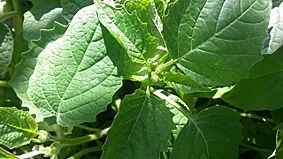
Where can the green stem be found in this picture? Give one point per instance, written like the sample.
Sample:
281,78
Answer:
78,140
18,18
257,117
8,15
258,149
4,84
83,152
88,128
176,105
164,66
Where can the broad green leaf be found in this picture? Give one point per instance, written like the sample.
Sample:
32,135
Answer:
6,48
140,130
216,42
214,133
129,31
276,25
75,77
5,154
17,127
263,90
181,82
42,15
24,69
71,7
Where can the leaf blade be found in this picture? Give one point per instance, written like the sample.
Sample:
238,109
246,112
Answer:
200,35
17,127
141,128
81,74
207,134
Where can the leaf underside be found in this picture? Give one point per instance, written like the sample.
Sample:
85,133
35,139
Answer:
75,76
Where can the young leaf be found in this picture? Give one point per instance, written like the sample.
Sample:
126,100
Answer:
263,90
71,7
42,16
216,42
140,130
6,48
17,127
147,13
212,134
276,25
129,31
75,77
24,69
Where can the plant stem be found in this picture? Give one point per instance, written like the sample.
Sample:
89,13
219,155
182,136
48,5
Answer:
30,155
176,105
4,84
258,149
257,117
80,140
18,18
80,154
164,66
88,128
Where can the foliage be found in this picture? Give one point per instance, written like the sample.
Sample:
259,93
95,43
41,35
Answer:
142,79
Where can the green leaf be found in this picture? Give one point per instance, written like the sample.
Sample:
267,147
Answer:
42,15
263,90
141,128
129,31
24,69
276,34
5,154
216,42
212,134
17,127
75,77
183,83
71,7
276,3
147,13
6,48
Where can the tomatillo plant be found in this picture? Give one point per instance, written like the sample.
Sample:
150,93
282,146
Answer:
141,79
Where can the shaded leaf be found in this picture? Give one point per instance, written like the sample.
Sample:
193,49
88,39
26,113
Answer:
42,15
207,135
216,42
141,128
6,48
16,127
71,7
75,77
263,90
